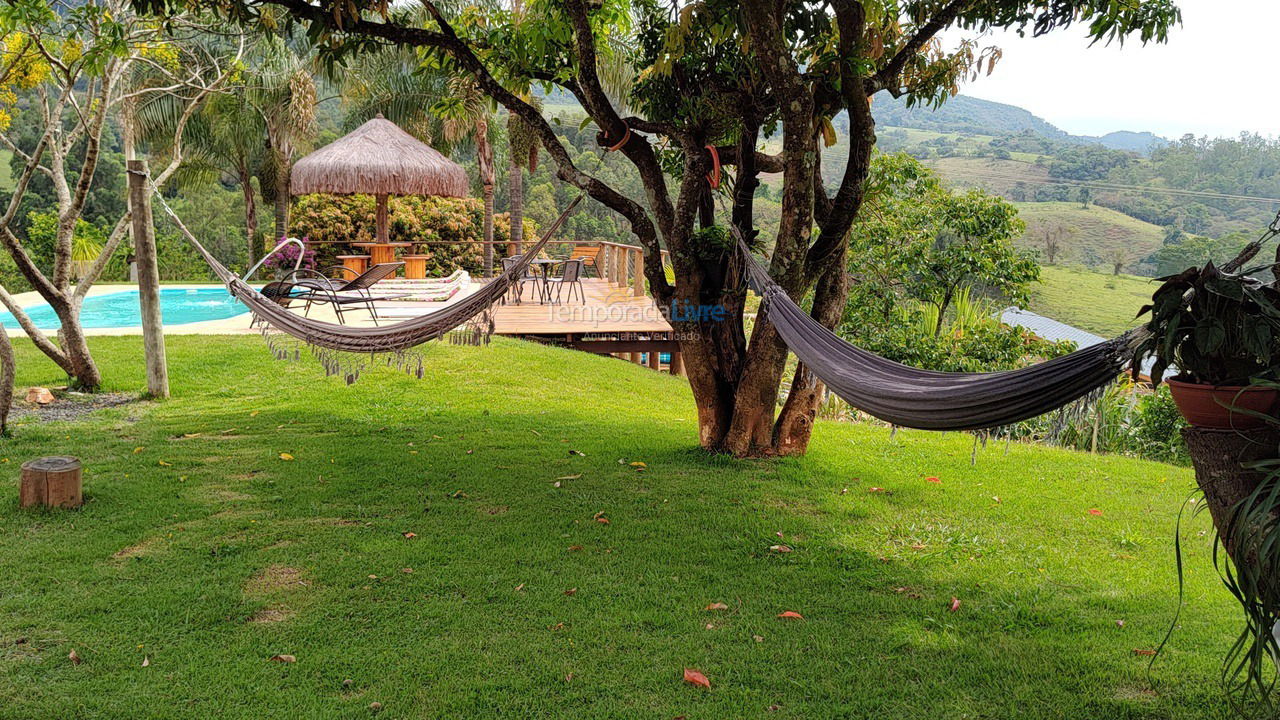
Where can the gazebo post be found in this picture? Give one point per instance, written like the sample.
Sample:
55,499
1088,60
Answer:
384,234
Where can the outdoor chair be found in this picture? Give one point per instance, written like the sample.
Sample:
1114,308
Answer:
517,285
355,292
570,276
590,257
281,292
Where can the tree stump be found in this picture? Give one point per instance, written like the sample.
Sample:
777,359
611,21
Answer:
51,482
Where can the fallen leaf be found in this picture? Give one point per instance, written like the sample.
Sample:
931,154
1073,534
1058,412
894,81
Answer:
520,587
955,604
557,626
406,571
1143,651
575,548
996,498
933,479
138,449
283,658
569,477
717,606
74,657
844,491
710,626
875,489
693,677
410,535
571,592
789,615
568,678
1095,511
286,456
375,706
757,638
780,548
254,413
578,453
555,484
917,546
163,463
639,465
1119,623
146,661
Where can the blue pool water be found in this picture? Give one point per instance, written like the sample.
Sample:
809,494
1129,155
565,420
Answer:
120,310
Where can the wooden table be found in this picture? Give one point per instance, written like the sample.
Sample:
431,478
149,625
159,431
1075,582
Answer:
415,266
382,252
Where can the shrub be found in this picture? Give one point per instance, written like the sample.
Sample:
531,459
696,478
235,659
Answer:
332,222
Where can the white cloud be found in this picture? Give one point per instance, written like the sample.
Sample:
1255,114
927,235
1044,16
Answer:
1216,76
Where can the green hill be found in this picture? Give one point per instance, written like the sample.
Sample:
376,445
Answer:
1101,303
1093,235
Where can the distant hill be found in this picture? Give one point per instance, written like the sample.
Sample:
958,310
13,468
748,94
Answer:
970,115
962,114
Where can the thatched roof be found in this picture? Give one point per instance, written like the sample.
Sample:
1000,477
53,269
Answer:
378,158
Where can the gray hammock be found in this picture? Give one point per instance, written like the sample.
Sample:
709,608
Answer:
928,399
395,338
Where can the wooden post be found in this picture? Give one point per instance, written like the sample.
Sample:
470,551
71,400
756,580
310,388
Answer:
620,266
144,245
381,221
677,364
655,360
602,262
637,284
51,482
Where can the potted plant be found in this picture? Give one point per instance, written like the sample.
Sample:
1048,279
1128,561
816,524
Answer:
1221,332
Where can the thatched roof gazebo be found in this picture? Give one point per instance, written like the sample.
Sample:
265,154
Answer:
379,159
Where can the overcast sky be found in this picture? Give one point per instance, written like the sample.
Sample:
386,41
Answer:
1216,76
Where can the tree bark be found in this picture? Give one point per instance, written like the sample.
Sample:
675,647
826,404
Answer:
282,195
516,181
488,229
250,214
82,370
7,373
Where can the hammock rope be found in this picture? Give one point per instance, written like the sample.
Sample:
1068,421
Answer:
394,338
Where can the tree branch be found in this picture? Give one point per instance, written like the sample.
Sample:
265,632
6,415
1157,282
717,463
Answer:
888,76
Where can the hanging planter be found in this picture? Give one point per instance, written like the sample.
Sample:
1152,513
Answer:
1223,407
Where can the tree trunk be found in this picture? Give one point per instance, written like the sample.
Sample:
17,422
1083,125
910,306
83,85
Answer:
7,373
250,215
488,229
80,367
795,423
516,181
282,195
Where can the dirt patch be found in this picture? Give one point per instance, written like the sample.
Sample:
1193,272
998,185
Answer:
1140,694
496,510
143,548
271,614
69,406
225,495
274,579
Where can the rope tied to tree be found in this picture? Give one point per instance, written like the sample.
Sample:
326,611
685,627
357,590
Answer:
626,137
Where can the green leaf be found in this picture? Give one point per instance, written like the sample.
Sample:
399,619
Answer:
1209,335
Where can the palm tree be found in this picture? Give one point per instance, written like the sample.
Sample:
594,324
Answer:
283,93
524,156
466,114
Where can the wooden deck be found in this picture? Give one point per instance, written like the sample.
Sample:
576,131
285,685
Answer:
609,309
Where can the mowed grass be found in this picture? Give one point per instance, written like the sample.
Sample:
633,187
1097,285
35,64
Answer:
1096,232
1101,303
203,552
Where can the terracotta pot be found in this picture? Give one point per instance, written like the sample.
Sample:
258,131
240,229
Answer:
1212,406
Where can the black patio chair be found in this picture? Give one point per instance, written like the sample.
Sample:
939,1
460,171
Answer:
325,291
528,276
570,276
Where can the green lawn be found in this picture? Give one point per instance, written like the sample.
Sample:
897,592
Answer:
205,553
1101,303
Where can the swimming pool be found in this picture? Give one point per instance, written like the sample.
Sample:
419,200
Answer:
178,306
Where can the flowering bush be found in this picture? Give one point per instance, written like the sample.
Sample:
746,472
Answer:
285,259
334,221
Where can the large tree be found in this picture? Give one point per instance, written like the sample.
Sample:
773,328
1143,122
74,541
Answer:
713,80
68,69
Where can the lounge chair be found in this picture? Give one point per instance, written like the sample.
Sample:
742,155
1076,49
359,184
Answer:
323,290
